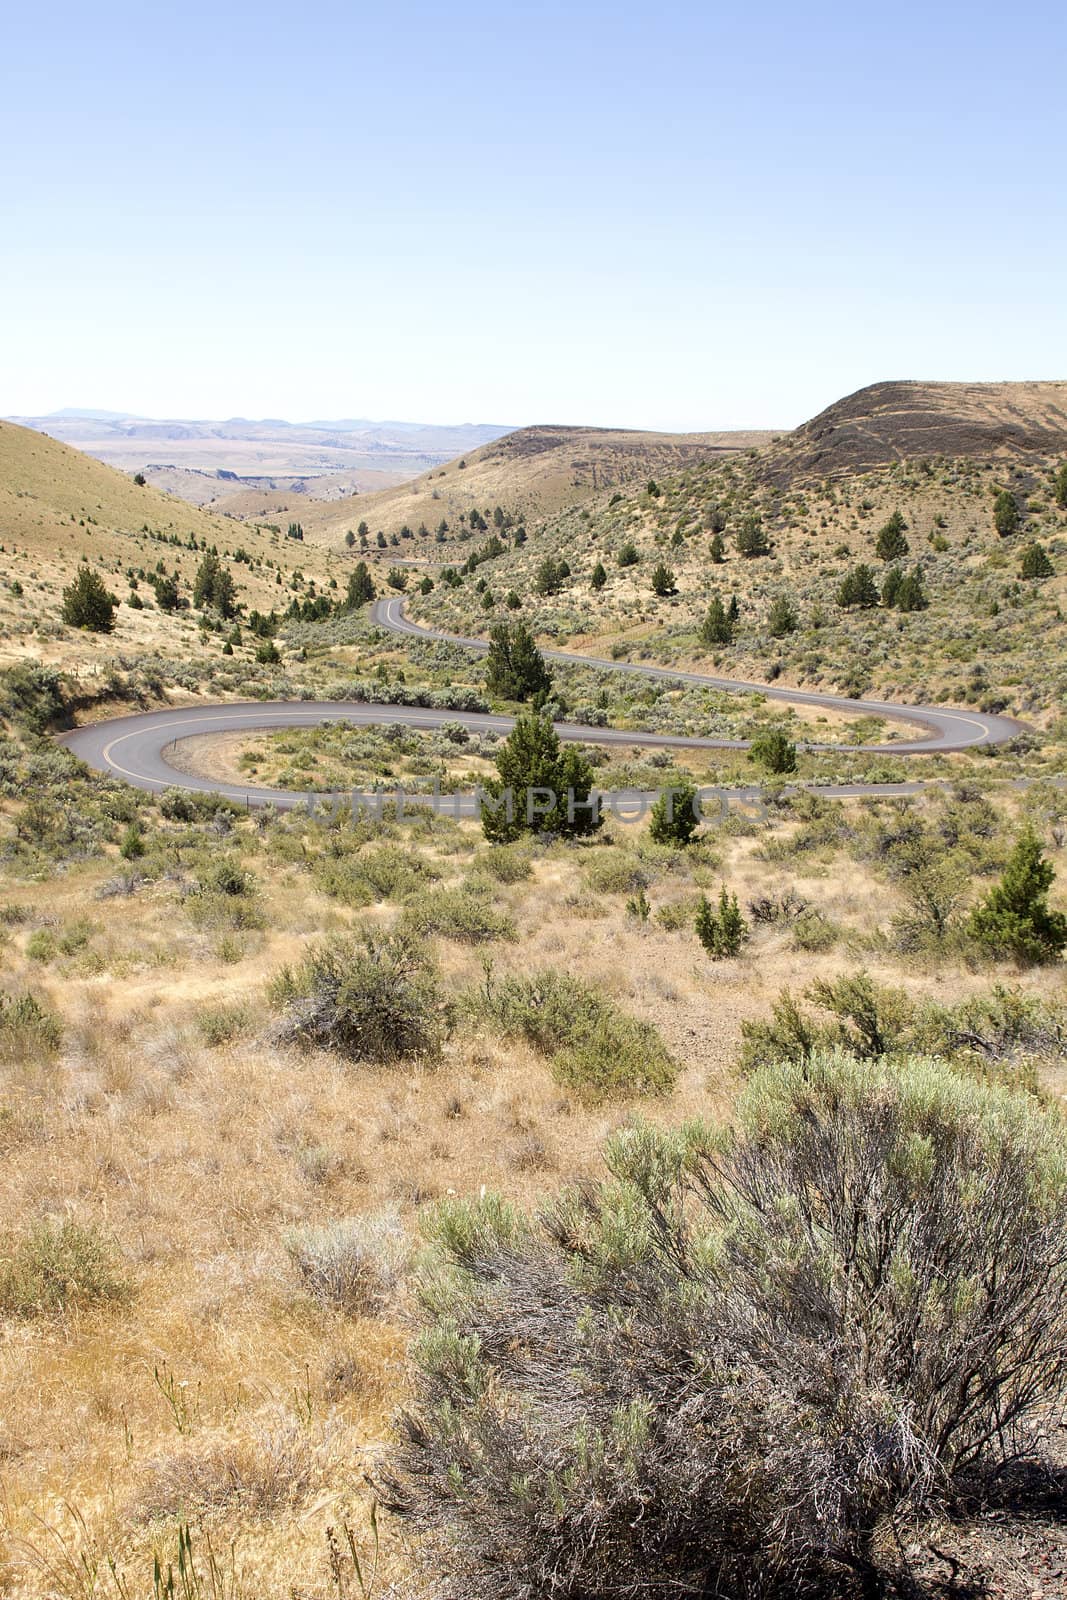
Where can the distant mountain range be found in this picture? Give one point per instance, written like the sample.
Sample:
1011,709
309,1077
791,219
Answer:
204,460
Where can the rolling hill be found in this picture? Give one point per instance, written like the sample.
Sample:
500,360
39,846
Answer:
59,507
906,421
532,472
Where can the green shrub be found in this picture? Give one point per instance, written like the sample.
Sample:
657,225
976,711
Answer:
674,819
460,914
1014,919
87,603
27,1028
227,877
223,1023
374,998
774,750
58,1267
505,863
595,1049
813,932
742,1353
614,871
723,930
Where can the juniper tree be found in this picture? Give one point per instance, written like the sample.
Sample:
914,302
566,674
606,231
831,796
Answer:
360,589
751,538
1014,919
891,545
663,583
1006,513
716,627
540,787
1059,487
774,750
1035,562
721,931
515,668
782,618
675,818
599,577
717,549
858,590
88,604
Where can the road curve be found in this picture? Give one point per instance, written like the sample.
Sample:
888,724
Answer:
946,730
136,748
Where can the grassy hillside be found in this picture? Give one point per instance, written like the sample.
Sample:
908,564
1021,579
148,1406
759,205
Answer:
531,473
59,508
213,1210
986,636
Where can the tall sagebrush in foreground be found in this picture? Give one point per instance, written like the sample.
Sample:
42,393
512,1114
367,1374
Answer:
719,1370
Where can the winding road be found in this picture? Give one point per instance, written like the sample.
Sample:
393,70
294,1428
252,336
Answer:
135,748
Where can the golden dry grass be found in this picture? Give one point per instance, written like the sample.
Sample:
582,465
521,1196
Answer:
223,1393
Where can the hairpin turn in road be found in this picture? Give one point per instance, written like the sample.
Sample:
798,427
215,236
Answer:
135,748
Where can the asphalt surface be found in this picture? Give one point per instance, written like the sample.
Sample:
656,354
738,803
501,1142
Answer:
136,748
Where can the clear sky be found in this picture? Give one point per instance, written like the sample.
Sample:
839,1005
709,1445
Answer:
672,214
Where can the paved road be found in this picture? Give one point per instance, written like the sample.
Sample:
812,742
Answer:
946,730
136,748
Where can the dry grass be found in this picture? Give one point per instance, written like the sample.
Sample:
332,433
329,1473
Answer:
260,1201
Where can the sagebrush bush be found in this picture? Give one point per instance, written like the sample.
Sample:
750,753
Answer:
353,1263
461,914
370,998
58,1267
615,871
594,1048
506,863
1004,1034
27,1028
744,1349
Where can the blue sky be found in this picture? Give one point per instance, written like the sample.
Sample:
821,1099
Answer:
675,215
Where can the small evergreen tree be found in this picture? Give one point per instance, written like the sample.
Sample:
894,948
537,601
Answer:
350,538
716,627
891,586
397,579
717,549
858,589
1035,562
87,603
782,619
733,610
166,591
774,750
891,545
1059,487
599,577
722,932
515,668
1006,513
629,555
663,583
549,577
360,589
751,538
1014,919
910,595
674,818
531,760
